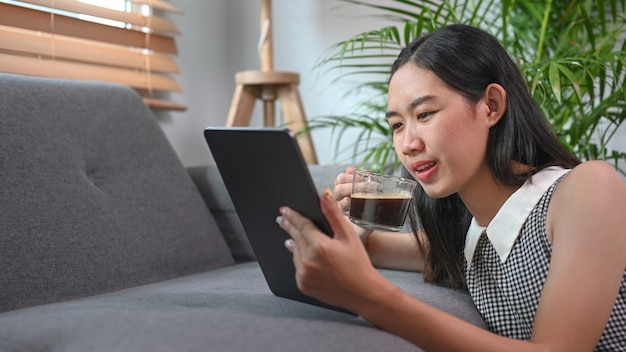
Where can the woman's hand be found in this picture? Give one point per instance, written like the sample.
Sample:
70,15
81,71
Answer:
342,193
343,188
336,270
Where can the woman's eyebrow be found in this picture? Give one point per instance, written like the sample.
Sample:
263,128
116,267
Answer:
412,105
419,101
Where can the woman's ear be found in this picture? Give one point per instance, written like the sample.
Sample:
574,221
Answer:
494,99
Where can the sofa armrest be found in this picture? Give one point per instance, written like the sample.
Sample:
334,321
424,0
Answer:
213,190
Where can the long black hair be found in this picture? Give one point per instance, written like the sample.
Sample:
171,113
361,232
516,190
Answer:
468,59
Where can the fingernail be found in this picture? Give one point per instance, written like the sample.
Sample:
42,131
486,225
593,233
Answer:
280,220
289,244
328,194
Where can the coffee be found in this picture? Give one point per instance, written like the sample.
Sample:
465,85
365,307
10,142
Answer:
382,211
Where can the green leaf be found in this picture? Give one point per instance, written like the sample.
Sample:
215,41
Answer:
555,81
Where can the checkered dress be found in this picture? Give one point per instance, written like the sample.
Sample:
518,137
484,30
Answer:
507,294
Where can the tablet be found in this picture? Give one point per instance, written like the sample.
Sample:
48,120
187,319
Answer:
263,169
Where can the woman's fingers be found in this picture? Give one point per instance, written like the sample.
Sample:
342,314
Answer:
344,205
345,177
342,193
334,214
294,224
343,188
330,269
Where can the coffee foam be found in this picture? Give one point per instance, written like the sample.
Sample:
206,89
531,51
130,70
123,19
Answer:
363,195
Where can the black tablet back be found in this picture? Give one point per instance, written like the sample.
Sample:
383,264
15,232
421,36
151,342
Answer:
263,169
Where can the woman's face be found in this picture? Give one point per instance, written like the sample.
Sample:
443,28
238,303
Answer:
439,136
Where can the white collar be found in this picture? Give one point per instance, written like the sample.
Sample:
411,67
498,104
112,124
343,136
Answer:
505,227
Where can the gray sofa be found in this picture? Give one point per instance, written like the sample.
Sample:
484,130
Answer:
107,243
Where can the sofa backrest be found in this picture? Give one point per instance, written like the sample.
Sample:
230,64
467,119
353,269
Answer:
92,196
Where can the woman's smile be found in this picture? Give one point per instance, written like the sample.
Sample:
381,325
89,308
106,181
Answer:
424,170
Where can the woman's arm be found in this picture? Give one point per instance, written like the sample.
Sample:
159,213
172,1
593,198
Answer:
338,271
395,250
588,261
586,224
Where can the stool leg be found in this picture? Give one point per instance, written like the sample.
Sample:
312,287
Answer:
291,106
242,105
268,96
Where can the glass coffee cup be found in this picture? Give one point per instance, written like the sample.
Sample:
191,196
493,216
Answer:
380,201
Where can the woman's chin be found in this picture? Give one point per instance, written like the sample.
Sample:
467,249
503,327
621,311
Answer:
436,193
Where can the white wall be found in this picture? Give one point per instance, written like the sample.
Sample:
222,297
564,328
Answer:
219,38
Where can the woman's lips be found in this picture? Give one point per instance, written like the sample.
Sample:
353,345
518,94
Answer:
424,170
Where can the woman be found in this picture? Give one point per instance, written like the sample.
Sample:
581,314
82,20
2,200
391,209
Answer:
537,237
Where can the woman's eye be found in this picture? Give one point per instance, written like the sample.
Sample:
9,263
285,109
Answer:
395,126
424,115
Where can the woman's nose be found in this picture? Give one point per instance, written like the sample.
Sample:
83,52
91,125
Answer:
411,142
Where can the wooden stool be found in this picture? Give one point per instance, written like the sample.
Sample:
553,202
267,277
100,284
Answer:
268,86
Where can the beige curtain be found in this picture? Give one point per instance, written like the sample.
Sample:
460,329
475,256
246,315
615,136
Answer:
76,40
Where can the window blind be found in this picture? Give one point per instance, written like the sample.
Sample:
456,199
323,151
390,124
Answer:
133,44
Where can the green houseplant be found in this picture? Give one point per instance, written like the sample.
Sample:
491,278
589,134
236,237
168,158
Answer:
571,52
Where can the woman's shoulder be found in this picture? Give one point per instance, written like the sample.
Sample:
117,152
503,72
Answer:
590,188
596,170
591,178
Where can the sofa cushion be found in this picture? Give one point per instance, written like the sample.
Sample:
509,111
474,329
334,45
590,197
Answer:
93,197
228,309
